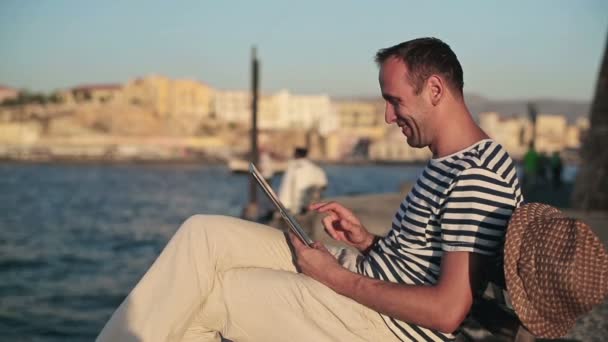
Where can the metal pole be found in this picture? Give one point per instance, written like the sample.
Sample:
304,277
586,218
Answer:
532,115
252,207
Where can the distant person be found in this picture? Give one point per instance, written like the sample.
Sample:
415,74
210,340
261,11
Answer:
248,282
301,179
542,168
530,166
266,165
556,169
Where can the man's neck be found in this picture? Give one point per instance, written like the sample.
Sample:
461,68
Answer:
457,131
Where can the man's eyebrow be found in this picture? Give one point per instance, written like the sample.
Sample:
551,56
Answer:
390,97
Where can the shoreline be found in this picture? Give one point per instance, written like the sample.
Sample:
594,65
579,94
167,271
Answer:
111,162
188,161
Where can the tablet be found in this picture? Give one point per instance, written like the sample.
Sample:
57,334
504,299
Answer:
291,221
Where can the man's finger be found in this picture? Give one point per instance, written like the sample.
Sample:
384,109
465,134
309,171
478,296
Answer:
319,205
328,224
314,206
295,242
320,246
336,207
347,225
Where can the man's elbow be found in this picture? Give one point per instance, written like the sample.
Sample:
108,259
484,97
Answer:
451,319
448,325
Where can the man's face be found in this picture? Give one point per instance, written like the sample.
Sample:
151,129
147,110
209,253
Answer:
403,107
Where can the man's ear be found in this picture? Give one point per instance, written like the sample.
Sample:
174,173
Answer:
436,89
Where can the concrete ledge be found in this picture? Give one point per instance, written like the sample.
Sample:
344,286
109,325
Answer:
376,213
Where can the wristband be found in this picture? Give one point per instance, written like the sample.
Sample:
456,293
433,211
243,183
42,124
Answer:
369,248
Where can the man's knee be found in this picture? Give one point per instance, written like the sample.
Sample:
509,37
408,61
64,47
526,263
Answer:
208,225
202,224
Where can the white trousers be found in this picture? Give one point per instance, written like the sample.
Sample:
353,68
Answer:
221,275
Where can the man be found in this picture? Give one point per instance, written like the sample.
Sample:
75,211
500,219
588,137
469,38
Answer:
301,177
531,166
556,170
223,275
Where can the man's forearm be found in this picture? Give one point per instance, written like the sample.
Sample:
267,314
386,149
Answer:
426,306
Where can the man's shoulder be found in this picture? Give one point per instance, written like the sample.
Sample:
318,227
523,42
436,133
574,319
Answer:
308,164
486,158
488,155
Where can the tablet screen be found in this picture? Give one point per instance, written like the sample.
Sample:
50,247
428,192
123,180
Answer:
291,221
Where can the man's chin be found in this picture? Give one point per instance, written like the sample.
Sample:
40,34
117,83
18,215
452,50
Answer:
414,143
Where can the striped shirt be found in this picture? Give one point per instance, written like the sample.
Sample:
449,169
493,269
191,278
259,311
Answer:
461,202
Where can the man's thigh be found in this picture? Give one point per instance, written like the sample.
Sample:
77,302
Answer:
272,305
229,243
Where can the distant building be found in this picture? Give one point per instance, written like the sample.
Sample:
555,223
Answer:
302,111
151,92
551,132
183,103
94,93
360,113
359,126
7,93
394,147
190,98
514,134
582,123
578,132
169,97
281,110
233,106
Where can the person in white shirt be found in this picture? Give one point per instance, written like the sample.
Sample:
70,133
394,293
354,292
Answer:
266,165
301,177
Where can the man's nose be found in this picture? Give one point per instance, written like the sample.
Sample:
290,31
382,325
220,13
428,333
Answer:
389,114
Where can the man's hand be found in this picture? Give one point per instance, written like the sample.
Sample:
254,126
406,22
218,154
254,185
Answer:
342,225
316,261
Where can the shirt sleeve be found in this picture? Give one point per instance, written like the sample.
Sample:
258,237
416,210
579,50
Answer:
475,216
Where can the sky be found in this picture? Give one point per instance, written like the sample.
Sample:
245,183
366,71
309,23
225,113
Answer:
508,49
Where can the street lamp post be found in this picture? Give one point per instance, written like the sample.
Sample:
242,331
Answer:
252,210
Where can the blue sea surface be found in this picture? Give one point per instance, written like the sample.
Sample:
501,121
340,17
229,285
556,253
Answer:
74,239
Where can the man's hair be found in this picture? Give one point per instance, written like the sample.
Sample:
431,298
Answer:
425,57
300,152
